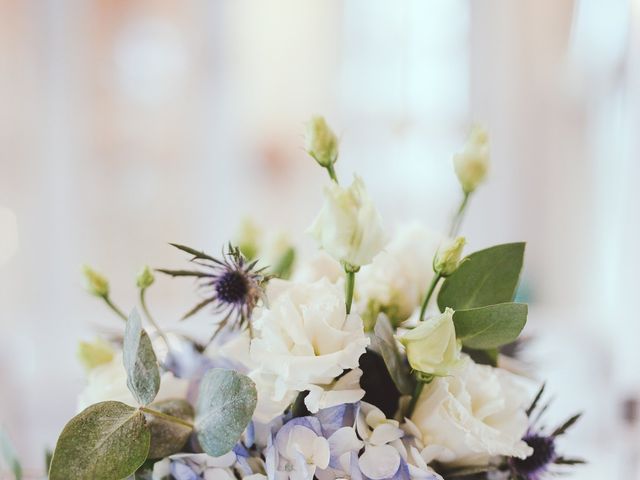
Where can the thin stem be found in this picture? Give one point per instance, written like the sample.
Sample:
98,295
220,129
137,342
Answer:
414,399
434,281
457,220
145,309
332,172
348,288
113,307
167,417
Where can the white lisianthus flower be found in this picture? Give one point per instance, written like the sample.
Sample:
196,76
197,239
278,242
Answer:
476,413
320,265
472,164
397,279
109,382
305,339
349,227
432,346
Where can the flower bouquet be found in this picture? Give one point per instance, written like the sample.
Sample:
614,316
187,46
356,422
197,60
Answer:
377,358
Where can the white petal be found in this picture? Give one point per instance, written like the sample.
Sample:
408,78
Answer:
385,433
379,462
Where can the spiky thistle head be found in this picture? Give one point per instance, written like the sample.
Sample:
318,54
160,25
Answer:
231,284
543,443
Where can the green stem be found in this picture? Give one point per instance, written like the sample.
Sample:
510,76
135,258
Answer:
169,418
457,220
414,399
145,309
332,172
113,307
434,281
348,288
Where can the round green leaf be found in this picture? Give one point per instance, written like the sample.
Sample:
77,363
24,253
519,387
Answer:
169,437
484,278
226,403
106,441
490,327
143,374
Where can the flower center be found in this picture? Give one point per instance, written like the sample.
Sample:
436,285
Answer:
544,453
231,287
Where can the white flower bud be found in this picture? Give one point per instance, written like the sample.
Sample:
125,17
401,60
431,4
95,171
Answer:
447,259
322,143
145,278
472,164
92,354
349,227
96,284
432,347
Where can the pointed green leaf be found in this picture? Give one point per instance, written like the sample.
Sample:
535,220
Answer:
483,357
169,437
384,343
284,265
143,374
490,327
484,278
8,455
226,403
106,441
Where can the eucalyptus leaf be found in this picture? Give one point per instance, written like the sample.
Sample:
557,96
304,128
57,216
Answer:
486,277
384,343
8,455
226,403
490,327
169,437
106,441
143,374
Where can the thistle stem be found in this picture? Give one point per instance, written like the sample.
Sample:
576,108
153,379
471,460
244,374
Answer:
169,418
332,172
145,309
348,288
457,219
434,281
113,307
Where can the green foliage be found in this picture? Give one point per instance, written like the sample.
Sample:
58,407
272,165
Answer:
169,437
143,374
384,343
490,327
486,277
226,403
284,266
106,441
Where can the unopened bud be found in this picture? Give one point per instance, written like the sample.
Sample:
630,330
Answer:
93,354
145,278
322,143
96,284
447,258
472,164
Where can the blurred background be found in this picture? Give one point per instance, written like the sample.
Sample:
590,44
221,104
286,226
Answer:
126,125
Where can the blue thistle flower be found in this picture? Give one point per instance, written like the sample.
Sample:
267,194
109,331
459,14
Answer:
231,284
545,455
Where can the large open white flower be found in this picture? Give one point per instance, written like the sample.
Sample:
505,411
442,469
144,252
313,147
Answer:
397,280
474,414
305,340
